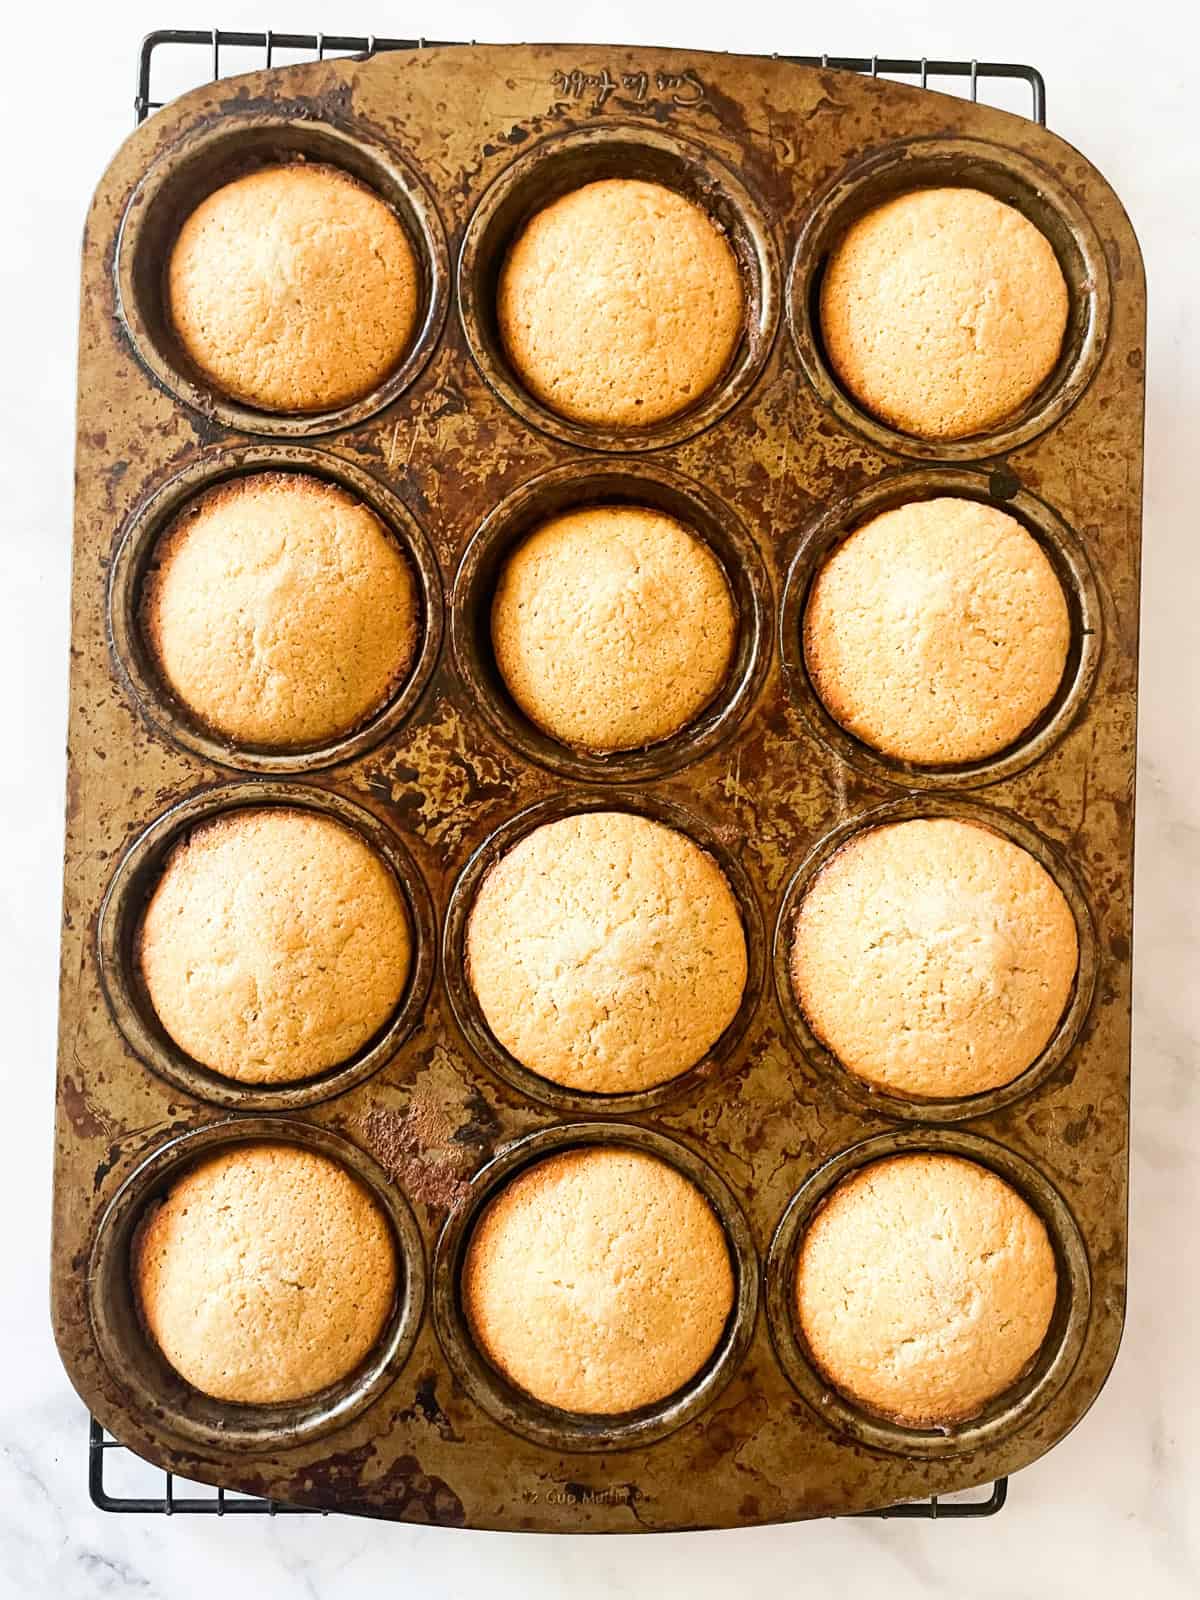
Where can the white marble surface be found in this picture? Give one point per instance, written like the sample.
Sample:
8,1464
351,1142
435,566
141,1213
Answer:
1115,1509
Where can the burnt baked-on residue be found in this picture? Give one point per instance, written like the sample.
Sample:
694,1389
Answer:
598,1280
265,1274
620,304
925,1288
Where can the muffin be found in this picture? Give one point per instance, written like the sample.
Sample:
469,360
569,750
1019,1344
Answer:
620,304
598,1280
275,945
934,958
606,952
943,311
613,627
265,1274
937,632
925,1288
294,288
279,611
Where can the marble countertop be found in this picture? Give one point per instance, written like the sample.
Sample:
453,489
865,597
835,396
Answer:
1115,1509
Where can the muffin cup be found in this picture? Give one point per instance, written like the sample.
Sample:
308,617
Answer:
135,554
557,166
125,901
1061,548
469,1014
883,1102
135,1361
216,154
1008,1412
635,483
548,1425
1009,176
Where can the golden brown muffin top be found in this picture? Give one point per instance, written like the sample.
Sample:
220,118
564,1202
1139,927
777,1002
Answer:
265,1274
937,632
934,957
294,288
943,311
613,626
280,611
598,1280
607,952
925,1287
275,945
620,304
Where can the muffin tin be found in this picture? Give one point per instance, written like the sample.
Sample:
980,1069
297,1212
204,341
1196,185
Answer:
458,461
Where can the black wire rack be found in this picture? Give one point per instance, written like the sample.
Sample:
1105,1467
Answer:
203,48
198,1500
206,44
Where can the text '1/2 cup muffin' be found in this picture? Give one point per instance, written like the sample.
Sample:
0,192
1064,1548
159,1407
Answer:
620,304
934,958
294,288
265,1274
943,311
937,632
279,611
925,1287
613,626
598,1280
275,945
607,952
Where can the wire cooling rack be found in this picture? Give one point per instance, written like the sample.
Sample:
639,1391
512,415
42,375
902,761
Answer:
185,58
171,1498
201,51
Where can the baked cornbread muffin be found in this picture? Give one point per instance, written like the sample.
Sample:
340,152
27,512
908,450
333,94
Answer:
937,632
607,952
943,311
275,945
924,1288
294,288
598,1280
620,304
265,1274
280,611
934,958
613,626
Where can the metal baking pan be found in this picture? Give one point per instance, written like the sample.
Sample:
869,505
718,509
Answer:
465,142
